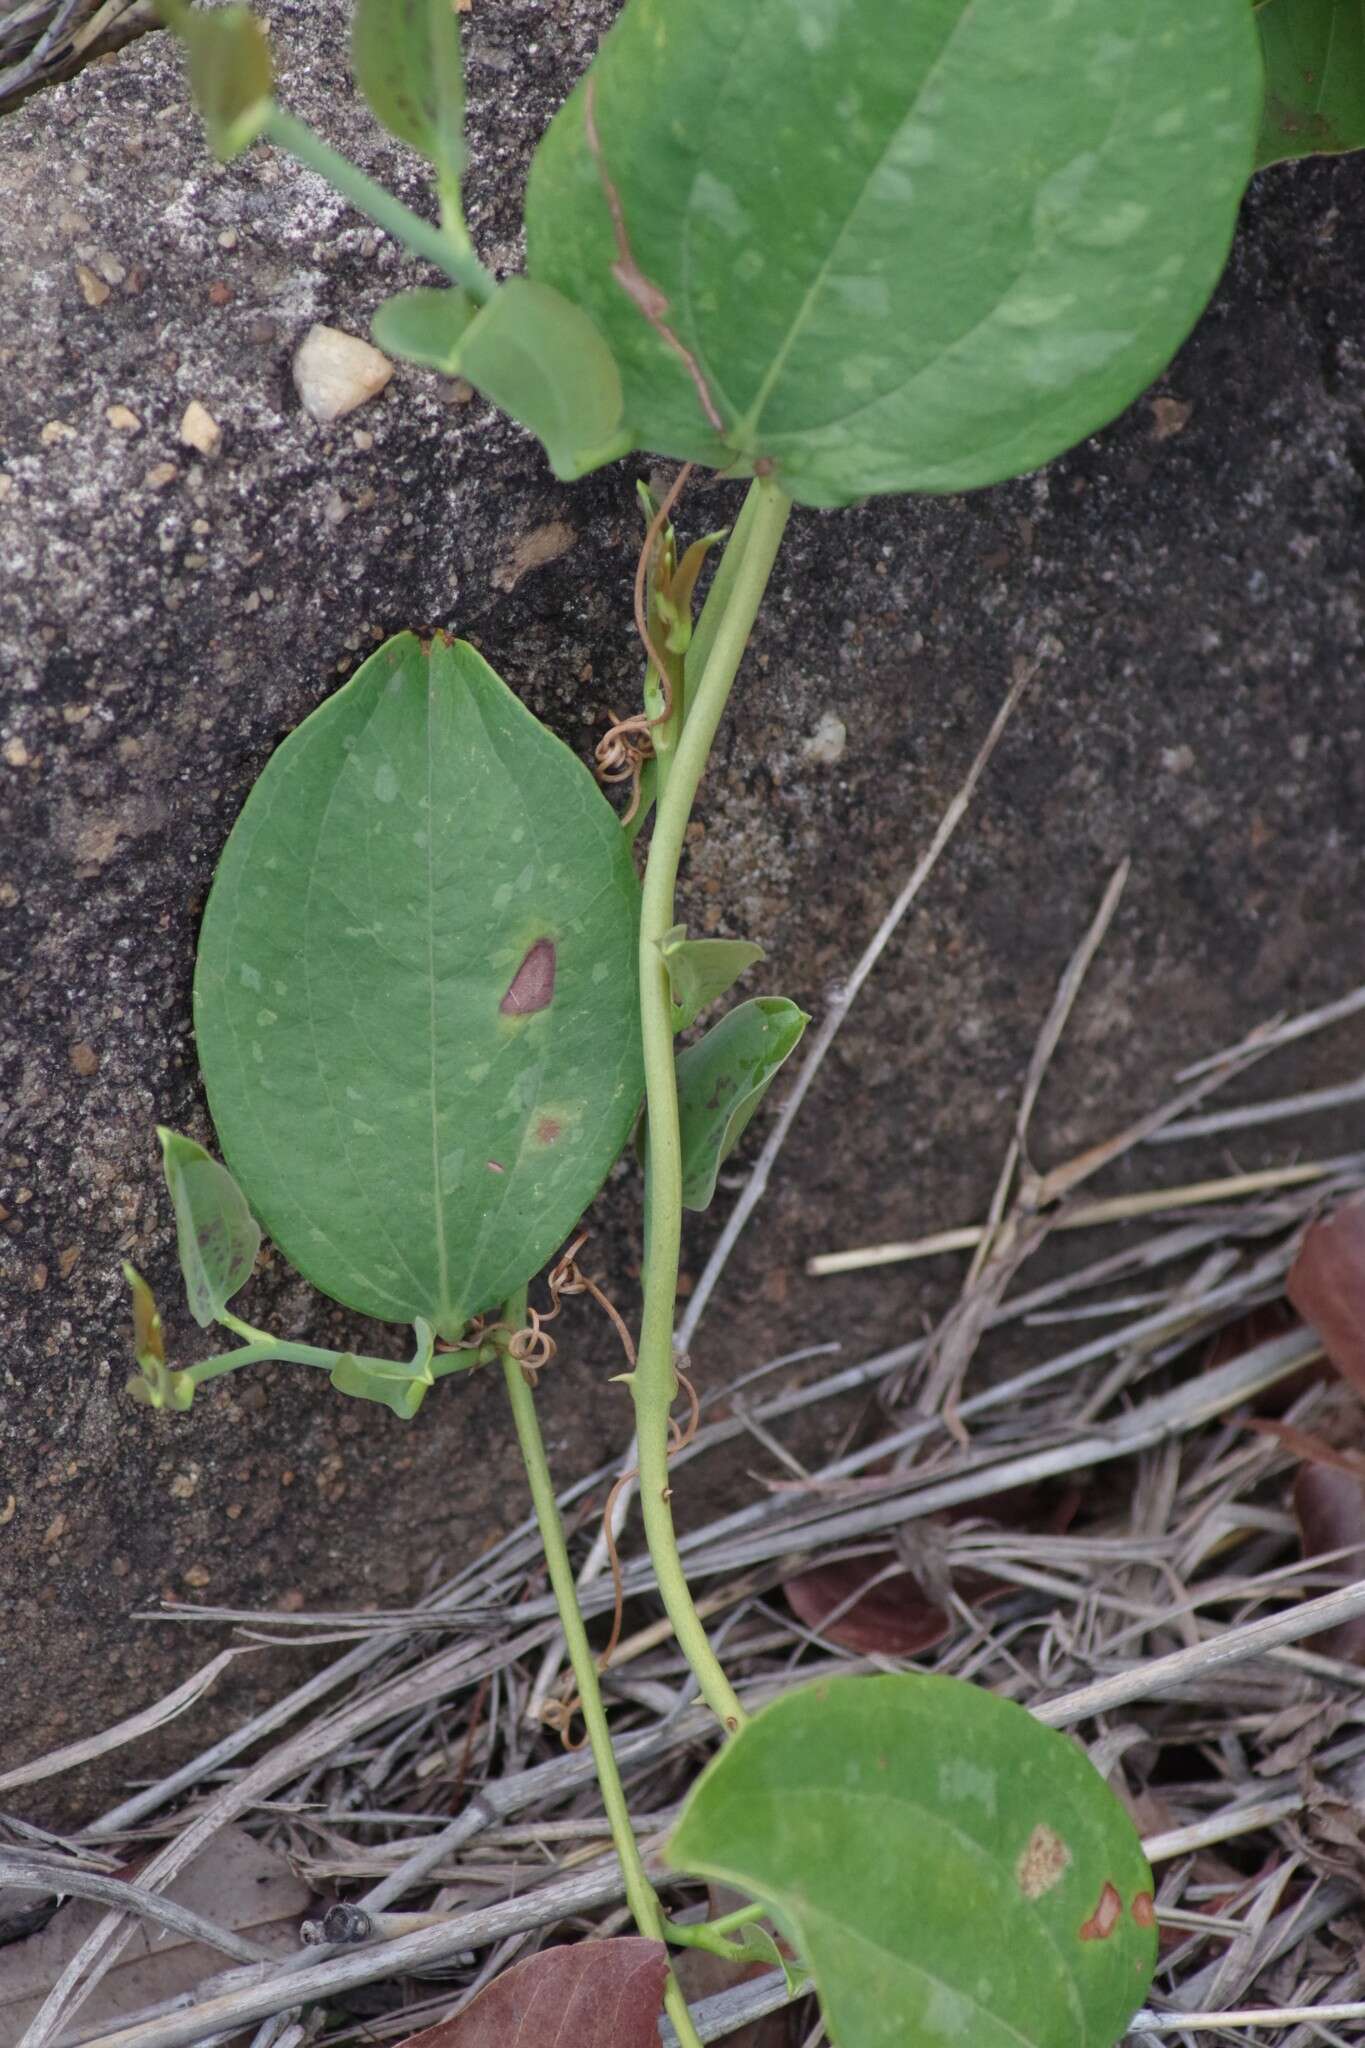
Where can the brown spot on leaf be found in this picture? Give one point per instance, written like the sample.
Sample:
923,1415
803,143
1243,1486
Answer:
1105,1917
493,1167
1144,1909
1042,1862
533,985
548,1129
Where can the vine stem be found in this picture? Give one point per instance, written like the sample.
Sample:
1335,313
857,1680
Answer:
261,1345
653,1384
640,1894
451,252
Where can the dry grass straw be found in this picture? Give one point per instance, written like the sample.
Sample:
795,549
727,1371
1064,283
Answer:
43,41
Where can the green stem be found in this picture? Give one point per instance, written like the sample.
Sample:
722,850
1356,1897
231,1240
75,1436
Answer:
710,1934
260,1344
653,1384
640,1893
436,244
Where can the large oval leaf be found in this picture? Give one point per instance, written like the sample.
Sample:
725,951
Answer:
951,1870
1314,53
416,991
889,247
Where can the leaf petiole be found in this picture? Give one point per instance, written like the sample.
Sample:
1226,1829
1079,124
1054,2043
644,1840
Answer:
710,1934
260,1344
446,249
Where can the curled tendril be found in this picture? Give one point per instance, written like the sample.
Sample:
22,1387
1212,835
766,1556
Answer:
624,748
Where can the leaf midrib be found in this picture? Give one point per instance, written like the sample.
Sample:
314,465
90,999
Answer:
748,425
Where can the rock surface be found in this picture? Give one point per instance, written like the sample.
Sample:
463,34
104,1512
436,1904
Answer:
1193,578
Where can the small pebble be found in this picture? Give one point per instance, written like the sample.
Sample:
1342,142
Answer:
55,431
200,430
16,753
159,475
228,239
336,372
93,288
826,744
1169,416
124,419
84,1059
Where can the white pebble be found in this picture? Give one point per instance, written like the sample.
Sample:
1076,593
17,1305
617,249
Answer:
336,372
200,430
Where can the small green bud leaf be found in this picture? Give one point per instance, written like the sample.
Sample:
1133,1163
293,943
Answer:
539,357
424,325
406,59
700,970
396,1386
760,1946
216,1232
399,1387
231,74
149,1339
723,1079
153,1385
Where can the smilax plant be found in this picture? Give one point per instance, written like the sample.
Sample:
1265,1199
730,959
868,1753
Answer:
838,247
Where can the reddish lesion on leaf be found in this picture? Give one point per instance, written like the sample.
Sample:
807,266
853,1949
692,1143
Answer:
1105,1917
548,1129
642,291
532,987
1143,1909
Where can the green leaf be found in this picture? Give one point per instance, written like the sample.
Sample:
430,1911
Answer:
883,247
406,58
215,1231
231,74
154,1384
1314,52
759,1945
416,991
723,1078
425,325
399,1387
541,359
700,970
951,1870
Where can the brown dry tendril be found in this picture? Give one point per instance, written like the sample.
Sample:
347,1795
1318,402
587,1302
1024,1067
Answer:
532,1347
625,747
